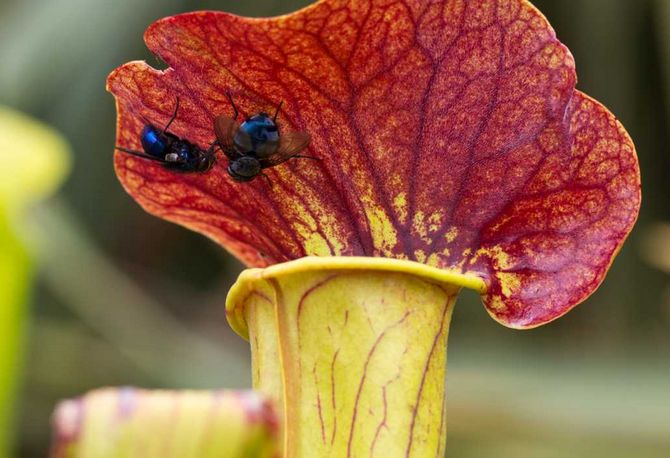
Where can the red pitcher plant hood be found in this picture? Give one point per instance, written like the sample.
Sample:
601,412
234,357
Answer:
448,133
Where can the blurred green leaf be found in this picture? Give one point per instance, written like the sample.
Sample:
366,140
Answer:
43,163
114,304
36,159
15,270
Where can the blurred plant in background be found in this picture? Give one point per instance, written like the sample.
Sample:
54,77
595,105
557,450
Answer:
128,422
31,178
113,306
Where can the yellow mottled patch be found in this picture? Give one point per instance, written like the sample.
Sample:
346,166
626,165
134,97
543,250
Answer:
497,303
316,245
434,258
451,234
420,256
384,234
418,225
499,258
509,283
400,206
317,230
425,225
434,221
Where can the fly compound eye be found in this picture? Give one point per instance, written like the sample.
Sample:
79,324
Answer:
244,168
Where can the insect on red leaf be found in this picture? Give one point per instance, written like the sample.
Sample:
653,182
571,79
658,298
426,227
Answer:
448,132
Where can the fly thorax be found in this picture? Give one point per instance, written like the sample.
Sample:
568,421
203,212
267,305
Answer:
258,135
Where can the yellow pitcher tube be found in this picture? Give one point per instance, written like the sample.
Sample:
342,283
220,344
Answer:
352,350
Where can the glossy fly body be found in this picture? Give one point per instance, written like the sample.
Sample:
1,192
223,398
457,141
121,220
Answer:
173,152
256,143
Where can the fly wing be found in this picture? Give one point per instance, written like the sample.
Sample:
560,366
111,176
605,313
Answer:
225,129
289,146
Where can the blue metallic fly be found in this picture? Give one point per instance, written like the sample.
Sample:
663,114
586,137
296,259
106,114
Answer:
173,152
256,143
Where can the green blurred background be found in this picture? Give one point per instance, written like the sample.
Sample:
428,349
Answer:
124,298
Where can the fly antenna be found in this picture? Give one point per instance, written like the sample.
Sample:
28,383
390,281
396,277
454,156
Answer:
267,178
277,112
138,154
235,111
174,116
